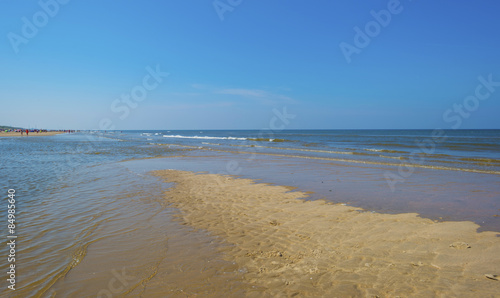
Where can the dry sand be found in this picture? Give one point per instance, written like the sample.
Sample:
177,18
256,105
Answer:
31,134
288,246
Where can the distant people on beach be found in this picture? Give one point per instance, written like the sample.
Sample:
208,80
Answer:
33,130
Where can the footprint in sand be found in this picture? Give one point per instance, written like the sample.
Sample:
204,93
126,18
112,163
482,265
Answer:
274,223
460,245
303,237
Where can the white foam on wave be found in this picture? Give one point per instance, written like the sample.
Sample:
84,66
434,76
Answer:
204,137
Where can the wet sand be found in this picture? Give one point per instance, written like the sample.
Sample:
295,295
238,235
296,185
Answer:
31,134
285,245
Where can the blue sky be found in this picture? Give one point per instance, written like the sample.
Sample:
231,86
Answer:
229,68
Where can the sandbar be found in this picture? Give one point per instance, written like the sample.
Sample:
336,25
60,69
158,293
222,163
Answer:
288,246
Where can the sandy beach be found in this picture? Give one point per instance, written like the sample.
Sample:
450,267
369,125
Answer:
288,246
31,134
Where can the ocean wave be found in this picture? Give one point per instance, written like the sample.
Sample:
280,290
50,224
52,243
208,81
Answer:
393,157
385,150
269,140
394,145
295,149
434,155
402,164
203,137
480,160
471,146
363,153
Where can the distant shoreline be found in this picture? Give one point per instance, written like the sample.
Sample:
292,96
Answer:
31,134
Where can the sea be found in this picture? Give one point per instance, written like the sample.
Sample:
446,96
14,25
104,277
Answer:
91,221
459,150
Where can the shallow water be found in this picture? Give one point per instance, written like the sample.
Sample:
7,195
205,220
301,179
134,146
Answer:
66,192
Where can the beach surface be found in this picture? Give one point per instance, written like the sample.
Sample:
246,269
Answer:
286,246
96,223
31,134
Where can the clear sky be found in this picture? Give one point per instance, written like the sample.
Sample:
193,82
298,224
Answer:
93,64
